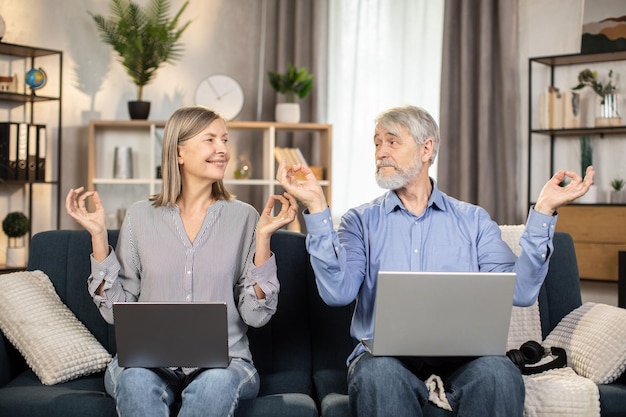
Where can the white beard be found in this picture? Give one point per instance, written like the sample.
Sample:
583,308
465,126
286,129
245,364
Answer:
398,179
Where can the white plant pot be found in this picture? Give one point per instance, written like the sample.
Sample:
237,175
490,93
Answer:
287,112
591,197
16,257
618,197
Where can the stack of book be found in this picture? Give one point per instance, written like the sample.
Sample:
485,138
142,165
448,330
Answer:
293,156
560,110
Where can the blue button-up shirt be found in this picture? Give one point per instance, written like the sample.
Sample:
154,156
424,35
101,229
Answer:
450,235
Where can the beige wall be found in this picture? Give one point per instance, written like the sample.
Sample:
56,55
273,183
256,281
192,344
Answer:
222,39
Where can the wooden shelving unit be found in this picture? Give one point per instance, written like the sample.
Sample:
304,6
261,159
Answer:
255,140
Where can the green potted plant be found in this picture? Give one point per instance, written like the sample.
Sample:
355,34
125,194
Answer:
618,194
293,83
144,39
608,110
15,225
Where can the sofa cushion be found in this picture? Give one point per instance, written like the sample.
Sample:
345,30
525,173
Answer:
278,405
593,336
54,343
26,396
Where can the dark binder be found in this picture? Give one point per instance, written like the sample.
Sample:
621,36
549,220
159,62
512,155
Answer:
8,150
32,143
42,147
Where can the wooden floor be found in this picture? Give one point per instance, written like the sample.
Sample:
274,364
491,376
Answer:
599,292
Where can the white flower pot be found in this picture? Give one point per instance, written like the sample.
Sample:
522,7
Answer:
287,112
618,197
591,197
16,257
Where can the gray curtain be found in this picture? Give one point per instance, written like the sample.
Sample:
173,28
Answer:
479,106
296,33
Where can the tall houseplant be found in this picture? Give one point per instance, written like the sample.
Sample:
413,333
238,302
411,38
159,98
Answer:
586,159
144,39
15,225
293,83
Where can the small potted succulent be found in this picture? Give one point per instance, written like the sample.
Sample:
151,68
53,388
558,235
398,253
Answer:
15,225
293,83
618,194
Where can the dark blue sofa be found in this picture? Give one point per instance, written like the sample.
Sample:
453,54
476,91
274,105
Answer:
559,295
281,349
300,353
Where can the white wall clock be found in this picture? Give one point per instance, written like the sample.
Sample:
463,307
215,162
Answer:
222,94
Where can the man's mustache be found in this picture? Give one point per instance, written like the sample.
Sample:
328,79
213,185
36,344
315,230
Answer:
385,163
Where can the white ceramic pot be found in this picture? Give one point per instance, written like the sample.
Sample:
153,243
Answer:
16,257
591,197
287,112
618,197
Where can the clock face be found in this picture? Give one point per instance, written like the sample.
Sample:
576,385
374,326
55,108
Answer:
222,94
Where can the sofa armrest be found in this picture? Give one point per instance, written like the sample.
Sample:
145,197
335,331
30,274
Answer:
560,293
11,362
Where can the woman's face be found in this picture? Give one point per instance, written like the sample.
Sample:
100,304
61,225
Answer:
205,155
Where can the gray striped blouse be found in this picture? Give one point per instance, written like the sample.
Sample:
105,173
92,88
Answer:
155,261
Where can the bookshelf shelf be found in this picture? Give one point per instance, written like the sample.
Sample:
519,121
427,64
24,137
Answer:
255,140
38,196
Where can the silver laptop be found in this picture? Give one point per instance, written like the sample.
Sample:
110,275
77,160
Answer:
157,335
442,314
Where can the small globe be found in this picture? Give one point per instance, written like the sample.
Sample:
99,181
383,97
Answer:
36,78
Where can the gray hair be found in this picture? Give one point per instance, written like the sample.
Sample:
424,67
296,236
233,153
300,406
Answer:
418,121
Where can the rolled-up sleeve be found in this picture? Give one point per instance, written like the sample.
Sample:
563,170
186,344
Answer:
107,272
532,264
254,311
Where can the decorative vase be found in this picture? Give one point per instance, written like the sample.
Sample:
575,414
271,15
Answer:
16,257
608,110
123,162
287,112
139,110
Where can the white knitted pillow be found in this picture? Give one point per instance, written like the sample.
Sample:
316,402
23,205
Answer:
560,392
525,322
594,338
55,344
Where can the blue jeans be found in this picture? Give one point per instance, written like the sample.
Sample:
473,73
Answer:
209,392
481,387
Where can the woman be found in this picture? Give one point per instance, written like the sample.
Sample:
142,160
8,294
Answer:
192,242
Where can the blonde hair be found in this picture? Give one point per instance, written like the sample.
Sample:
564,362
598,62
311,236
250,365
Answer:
184,124
418,121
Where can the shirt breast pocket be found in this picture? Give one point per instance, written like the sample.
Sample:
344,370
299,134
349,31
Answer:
450,258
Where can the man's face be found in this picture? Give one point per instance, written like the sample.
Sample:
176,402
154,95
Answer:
397,157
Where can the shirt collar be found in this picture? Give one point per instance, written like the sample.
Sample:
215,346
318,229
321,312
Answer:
391,201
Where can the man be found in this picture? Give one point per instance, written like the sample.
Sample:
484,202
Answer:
414,226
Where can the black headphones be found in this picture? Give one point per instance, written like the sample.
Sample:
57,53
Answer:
532,352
